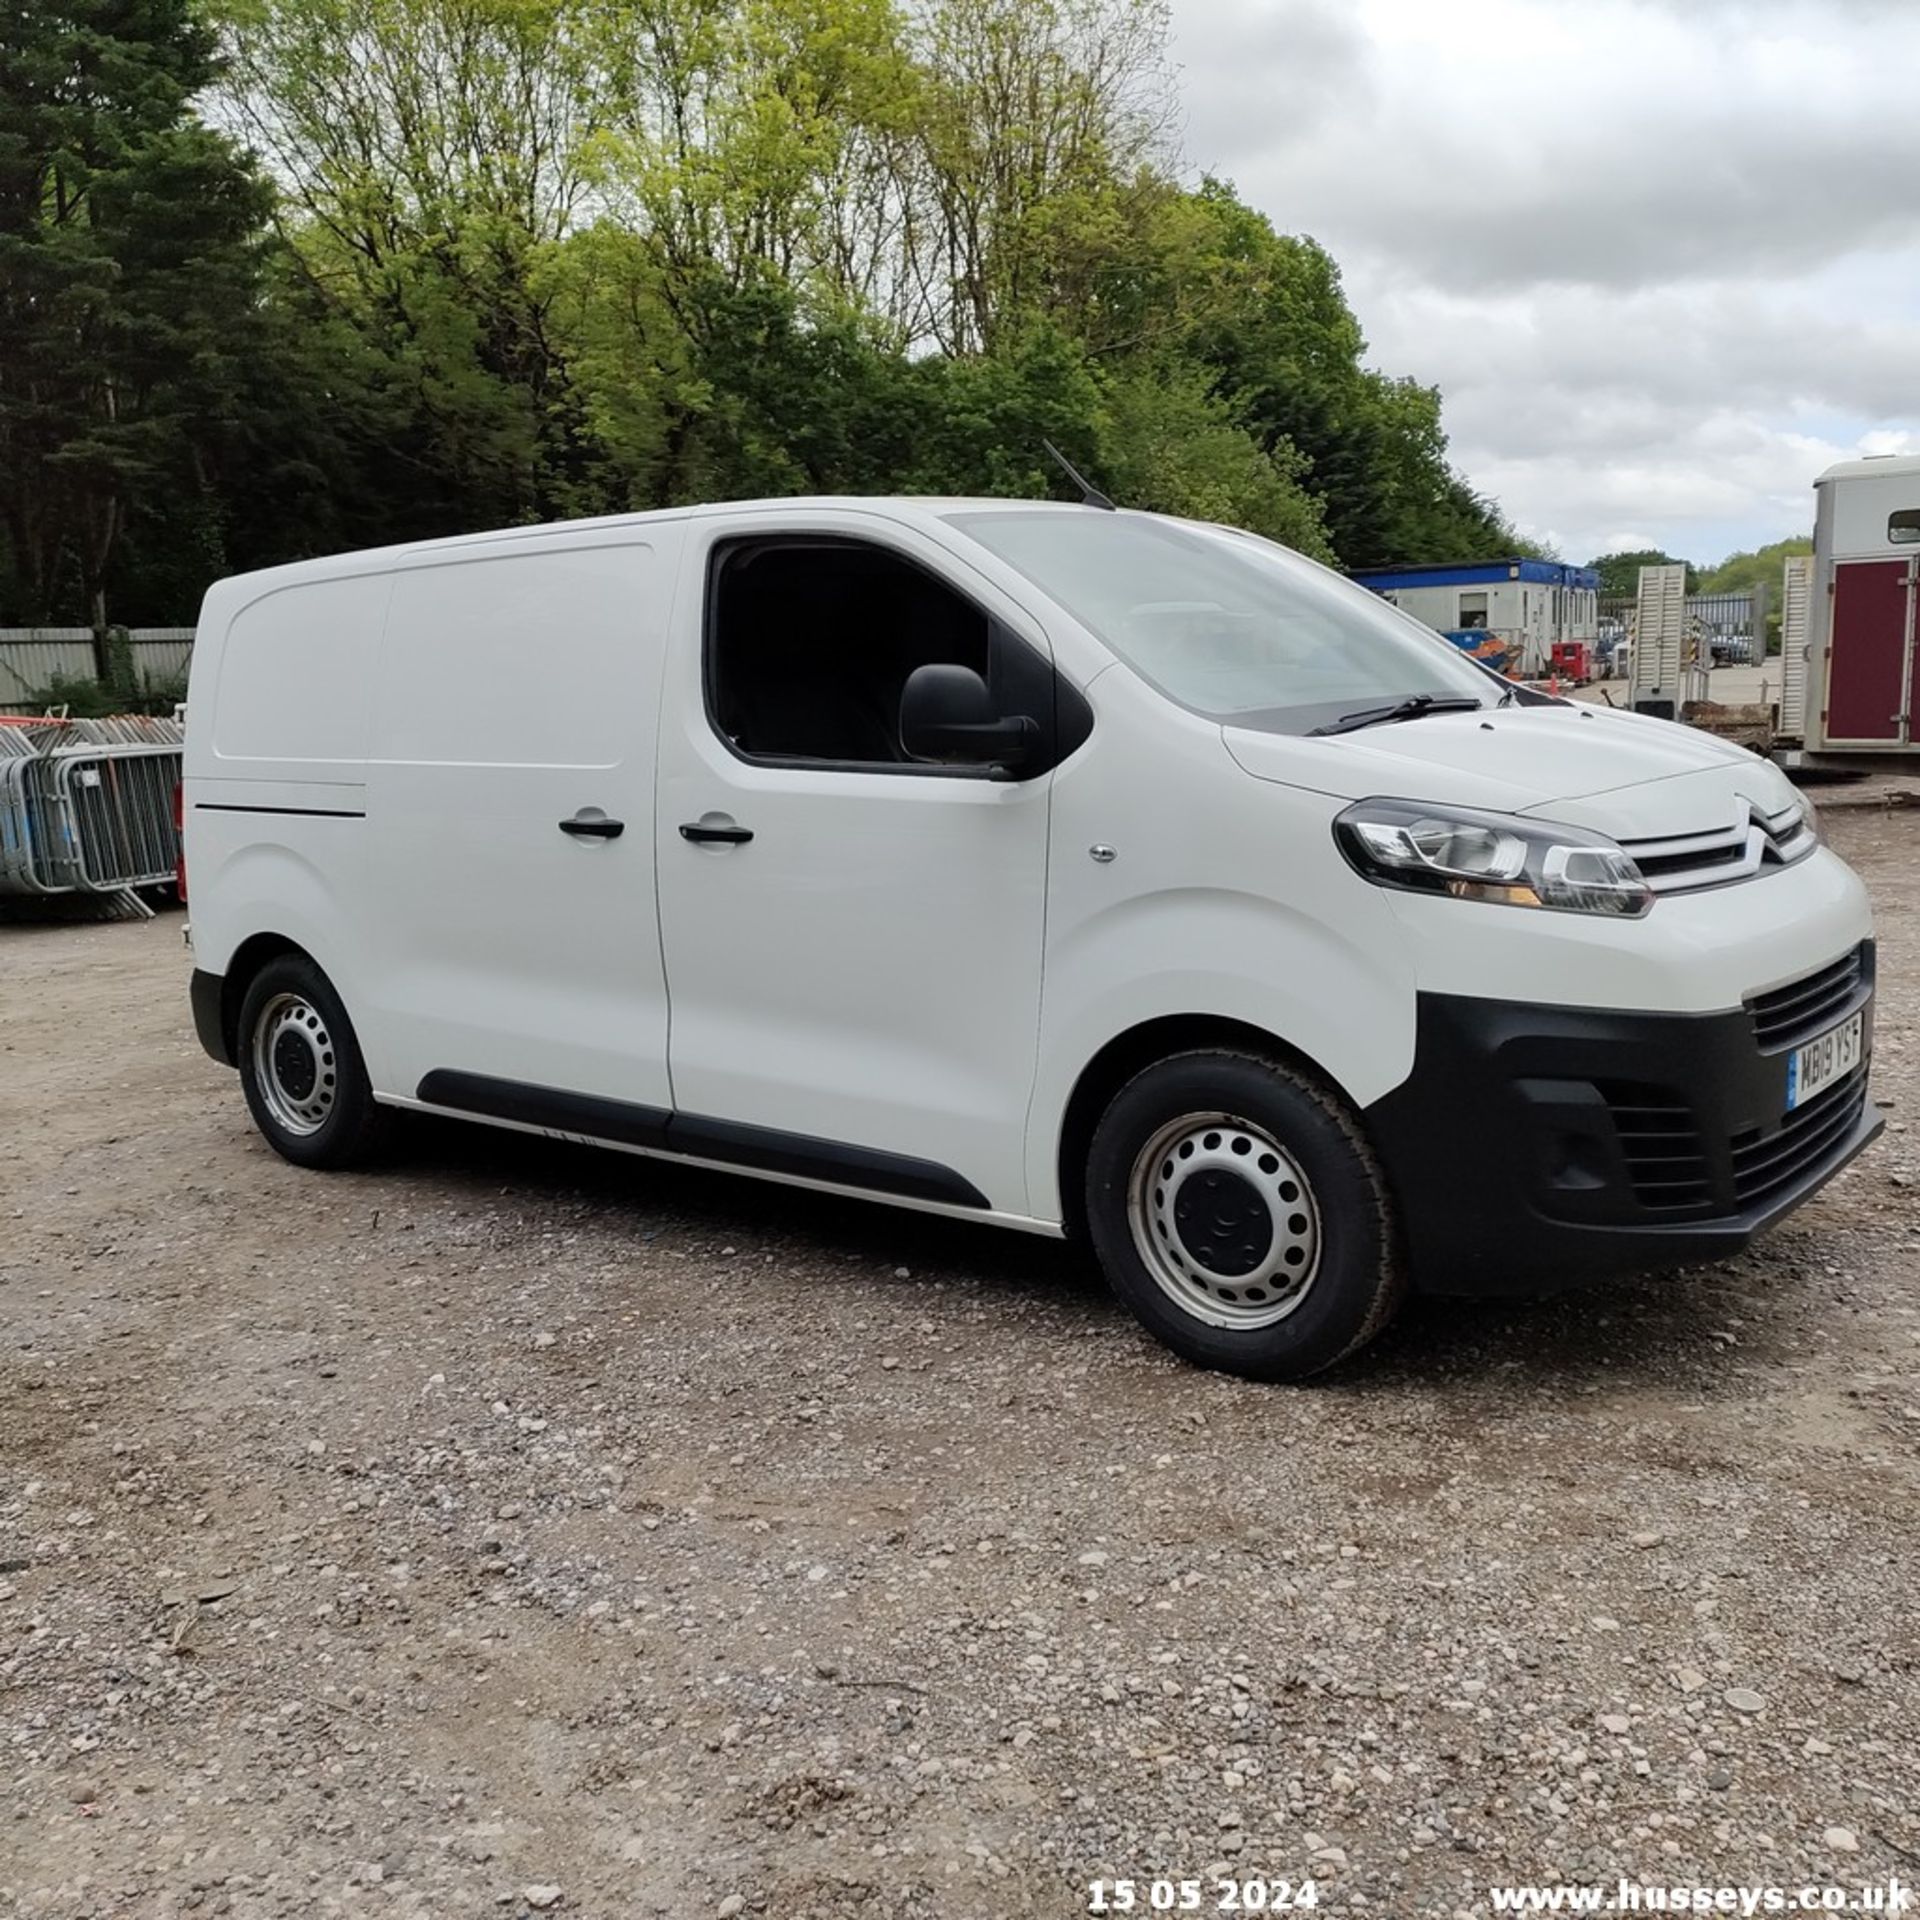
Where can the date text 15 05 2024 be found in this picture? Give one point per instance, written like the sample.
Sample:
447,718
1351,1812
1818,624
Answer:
1254,1895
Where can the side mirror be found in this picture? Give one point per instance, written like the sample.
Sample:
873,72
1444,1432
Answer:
947,714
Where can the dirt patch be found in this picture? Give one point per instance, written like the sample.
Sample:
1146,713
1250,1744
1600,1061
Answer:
522,1517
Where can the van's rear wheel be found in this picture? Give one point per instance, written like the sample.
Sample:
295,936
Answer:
1238,1210
301,1070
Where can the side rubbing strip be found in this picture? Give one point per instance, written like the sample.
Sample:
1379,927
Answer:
761,1149
806,1158
582,1113
311,813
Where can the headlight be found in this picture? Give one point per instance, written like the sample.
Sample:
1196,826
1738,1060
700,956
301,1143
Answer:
1490,856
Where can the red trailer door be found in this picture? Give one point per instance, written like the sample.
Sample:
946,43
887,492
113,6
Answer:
1869,652
1912,734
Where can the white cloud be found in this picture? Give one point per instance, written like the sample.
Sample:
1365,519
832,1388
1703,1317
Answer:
1662,259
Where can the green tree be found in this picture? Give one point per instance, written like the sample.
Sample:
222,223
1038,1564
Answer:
130,260
1620,572
431,153
1170,445
755,136
1759,571
528,259
1041,127
1742,572
1265,317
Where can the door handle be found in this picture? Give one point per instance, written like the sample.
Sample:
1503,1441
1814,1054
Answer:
715,832
593,827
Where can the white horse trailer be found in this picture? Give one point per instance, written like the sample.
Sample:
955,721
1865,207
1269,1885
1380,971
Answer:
1862,650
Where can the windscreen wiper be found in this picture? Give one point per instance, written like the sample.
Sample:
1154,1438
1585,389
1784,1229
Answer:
1409,709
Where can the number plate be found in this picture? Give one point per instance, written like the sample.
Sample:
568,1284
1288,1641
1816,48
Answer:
1821,1062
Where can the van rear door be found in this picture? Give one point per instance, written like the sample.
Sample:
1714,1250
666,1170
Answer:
510,848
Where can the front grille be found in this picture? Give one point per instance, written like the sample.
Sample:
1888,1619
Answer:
1660,1144
1810,1005
1679,863
1764,1163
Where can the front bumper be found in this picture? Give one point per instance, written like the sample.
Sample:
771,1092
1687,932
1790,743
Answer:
1536,1147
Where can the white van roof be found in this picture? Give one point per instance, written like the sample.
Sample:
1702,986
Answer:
1885,465
909,506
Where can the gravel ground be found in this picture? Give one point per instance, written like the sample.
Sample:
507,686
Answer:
528,1529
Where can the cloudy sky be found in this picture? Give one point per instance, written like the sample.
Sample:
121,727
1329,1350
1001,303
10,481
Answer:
1662,257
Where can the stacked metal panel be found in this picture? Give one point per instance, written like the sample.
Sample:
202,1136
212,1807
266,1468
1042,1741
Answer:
18,753
1796,609
86,806
1667,669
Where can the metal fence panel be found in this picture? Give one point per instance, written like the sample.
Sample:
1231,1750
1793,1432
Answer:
39,854
50,831
1666,670
24,739
17,870
27,665
124,730
118,805
88,805
1796,603
161,658
31,658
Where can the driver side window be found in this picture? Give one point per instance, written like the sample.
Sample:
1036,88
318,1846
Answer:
810,641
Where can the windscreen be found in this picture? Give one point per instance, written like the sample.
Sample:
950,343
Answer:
1227,624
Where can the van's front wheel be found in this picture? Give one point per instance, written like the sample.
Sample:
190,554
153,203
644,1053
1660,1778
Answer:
301,1070
1238,1210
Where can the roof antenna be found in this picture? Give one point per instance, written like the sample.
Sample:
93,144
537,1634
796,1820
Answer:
1090,495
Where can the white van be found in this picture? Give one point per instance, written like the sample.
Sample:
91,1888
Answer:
1082,871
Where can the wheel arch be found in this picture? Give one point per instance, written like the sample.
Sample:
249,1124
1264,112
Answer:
249,957
1130,1052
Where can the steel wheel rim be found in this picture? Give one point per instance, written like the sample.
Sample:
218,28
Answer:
1224,1220
295,1065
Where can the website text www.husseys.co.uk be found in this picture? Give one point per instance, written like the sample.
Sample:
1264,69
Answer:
1891,1896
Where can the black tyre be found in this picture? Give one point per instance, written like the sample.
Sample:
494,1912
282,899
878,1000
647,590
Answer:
300,1066
1237,1209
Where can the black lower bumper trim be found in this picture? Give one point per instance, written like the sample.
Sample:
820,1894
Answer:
1537,1147
207,992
